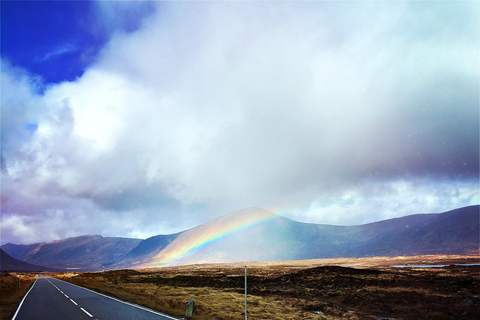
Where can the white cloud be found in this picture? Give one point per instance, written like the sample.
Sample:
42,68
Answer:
386,200
57,52
212,107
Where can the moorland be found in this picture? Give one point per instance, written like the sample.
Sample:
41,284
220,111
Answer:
13,286
357,288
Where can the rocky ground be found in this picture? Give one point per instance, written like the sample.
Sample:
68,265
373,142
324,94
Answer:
314,289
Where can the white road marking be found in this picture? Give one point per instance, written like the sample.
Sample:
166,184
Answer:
86,312
124,302
66,297
20,305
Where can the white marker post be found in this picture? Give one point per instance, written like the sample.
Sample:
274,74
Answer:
245,292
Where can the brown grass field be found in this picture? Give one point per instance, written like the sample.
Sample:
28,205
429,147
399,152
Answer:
12,289
362,288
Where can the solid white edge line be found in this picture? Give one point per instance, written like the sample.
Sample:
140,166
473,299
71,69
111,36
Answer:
124,302
20,305
86,312
74,302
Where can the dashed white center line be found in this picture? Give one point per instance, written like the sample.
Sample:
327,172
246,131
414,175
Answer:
67,298
86,312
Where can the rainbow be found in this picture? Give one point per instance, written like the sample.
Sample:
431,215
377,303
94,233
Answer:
205,236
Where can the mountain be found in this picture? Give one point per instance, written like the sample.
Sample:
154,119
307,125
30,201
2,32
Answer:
259,235
147,248
239,236
8,263
81,253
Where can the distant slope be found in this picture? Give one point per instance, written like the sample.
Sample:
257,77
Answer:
259,235
8,263
452,232
83,253
144,250
256,234
239,236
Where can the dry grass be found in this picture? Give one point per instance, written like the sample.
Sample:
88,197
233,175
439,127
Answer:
290,290
12,289
211,303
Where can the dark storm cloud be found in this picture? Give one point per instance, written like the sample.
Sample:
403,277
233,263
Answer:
324,112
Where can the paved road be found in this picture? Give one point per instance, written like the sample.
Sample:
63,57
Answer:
54,299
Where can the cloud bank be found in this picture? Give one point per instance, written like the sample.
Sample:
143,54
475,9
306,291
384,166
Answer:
325,112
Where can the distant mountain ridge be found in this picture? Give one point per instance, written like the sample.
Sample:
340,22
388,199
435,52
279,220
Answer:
10,264
82,253
145,249
255,234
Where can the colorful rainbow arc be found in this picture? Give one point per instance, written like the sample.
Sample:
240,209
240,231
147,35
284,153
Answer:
201,243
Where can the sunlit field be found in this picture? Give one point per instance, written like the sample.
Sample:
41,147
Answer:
12,288
364,288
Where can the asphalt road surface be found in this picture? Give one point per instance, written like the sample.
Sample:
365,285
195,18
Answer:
54,299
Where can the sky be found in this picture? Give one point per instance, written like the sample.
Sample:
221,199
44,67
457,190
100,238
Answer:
136,118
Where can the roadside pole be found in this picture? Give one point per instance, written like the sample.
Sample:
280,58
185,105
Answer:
245,292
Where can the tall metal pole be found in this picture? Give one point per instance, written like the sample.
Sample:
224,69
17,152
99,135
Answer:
245,292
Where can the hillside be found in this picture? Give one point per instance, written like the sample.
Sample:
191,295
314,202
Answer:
146,249
82,253
10,264
259,235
